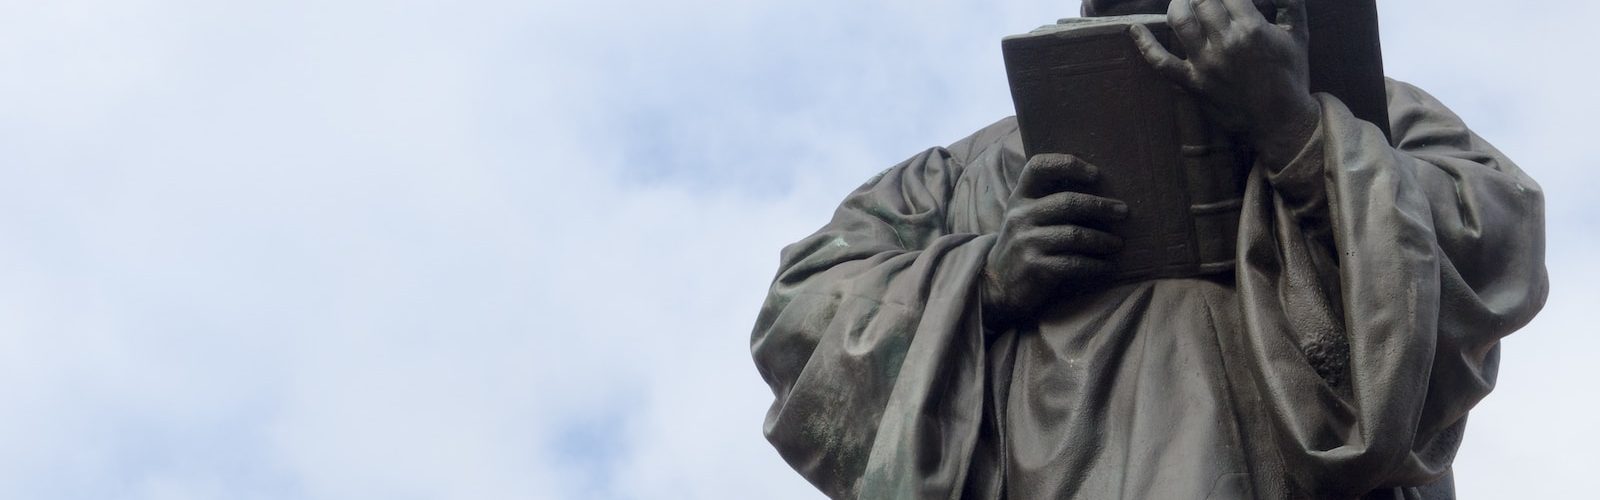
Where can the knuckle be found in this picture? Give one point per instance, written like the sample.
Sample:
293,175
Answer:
1017,218
1029,237
1236,39
1254,32
1022,225
1181,21
1064,161
1034,168
1143,41
1047,159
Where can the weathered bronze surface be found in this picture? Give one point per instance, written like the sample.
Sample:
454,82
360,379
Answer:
960,328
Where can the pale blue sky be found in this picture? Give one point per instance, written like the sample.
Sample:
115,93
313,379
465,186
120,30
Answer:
484,249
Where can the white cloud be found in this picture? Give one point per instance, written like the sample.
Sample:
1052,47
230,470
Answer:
433,249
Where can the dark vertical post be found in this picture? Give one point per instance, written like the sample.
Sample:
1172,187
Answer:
1347,56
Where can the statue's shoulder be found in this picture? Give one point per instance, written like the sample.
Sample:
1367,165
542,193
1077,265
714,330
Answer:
1400,90
1403,95
986,140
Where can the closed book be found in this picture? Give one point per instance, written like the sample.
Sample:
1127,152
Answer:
1081,87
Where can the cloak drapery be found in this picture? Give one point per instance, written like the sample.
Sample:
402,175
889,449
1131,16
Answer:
1374,282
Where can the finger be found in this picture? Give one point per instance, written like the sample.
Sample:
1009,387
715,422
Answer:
1052,172
1170,66
1244,12
1213,16
1075,208
1073,266
1072,240
1180,15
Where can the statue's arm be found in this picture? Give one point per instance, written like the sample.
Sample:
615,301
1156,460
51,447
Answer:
1488,215
1430,249
859,318
1485,214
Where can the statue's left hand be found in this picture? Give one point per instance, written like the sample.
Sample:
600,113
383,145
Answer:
1254,72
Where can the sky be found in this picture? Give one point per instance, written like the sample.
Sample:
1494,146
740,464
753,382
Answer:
485,249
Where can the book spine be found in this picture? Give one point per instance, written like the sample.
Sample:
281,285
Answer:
1212,175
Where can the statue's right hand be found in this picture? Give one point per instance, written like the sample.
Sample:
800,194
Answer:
1053,239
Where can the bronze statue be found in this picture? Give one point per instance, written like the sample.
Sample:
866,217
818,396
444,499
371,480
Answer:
958,330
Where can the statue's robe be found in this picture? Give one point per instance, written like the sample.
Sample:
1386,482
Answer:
1375,279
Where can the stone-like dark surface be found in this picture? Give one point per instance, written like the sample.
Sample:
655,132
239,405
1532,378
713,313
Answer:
958,330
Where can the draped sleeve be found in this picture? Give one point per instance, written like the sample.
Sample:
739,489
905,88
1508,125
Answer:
871,338
1376,281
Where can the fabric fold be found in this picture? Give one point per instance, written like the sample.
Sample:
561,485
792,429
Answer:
1340,359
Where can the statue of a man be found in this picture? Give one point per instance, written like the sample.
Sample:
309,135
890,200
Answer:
948,333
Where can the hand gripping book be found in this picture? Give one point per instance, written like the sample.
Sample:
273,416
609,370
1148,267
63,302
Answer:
1081,87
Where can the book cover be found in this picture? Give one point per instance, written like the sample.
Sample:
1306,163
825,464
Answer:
1082,87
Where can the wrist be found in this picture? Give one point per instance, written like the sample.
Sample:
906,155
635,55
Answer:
1280,139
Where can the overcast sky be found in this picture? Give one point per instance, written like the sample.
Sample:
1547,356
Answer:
487,249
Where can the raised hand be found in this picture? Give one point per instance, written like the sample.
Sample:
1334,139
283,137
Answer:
1254,72
1052,241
